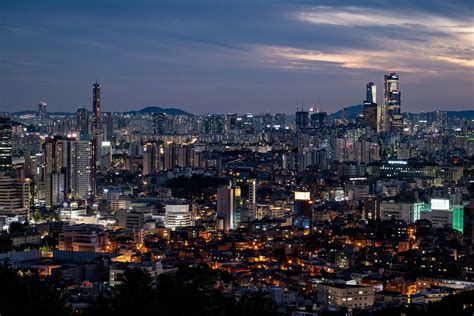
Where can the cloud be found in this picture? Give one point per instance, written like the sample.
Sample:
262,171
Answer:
419,44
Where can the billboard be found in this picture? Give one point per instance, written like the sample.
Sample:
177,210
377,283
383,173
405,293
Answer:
302,196
440,204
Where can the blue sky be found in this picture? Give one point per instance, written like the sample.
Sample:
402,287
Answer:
227,56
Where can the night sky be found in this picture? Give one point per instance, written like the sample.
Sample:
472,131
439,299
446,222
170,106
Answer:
234,56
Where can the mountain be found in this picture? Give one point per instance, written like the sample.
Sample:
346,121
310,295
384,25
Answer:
147,110
30,112
157,109
351,112
467,114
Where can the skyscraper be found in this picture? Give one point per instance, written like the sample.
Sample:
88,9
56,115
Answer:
42,110
303,213
225,206
302,119
55,166
97,132
252,212
371,110
82,169
392,119
5,143
97,124
82,122
371,92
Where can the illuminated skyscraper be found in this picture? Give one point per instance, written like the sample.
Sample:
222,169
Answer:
97,132
371,110
371,93
55,166
225,206
97,124
5,143
303,212
392,119
82,169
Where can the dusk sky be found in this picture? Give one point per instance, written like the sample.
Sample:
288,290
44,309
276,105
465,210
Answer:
234,56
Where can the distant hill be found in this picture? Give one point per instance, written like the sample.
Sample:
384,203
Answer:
468,114
157,109
351,112
29,112
147,110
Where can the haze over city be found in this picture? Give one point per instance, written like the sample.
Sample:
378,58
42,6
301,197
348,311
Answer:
238,56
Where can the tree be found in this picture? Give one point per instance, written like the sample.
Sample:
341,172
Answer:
16,227
6,244
26,294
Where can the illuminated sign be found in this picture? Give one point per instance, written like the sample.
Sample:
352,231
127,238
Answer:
302,196
397,162
439,204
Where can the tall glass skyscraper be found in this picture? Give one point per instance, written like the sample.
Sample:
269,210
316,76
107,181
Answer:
97,125
392,116
371,93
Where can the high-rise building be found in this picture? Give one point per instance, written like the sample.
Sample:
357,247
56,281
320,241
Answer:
160,123
225,206
82,122
392,119
371,116
42,111
252,213
371,111
68,169
318,119
97,124
469,223
5,143
82,171
55,166
151,158
214,124
14,196
371,92
302,119
303,212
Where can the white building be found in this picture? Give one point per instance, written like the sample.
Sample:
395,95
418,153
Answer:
178,216
351,296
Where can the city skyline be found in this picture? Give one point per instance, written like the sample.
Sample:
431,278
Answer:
257,57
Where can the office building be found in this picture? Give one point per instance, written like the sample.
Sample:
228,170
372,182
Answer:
178,216
303,211
83,237
225,206
5,143
392,119
371,93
